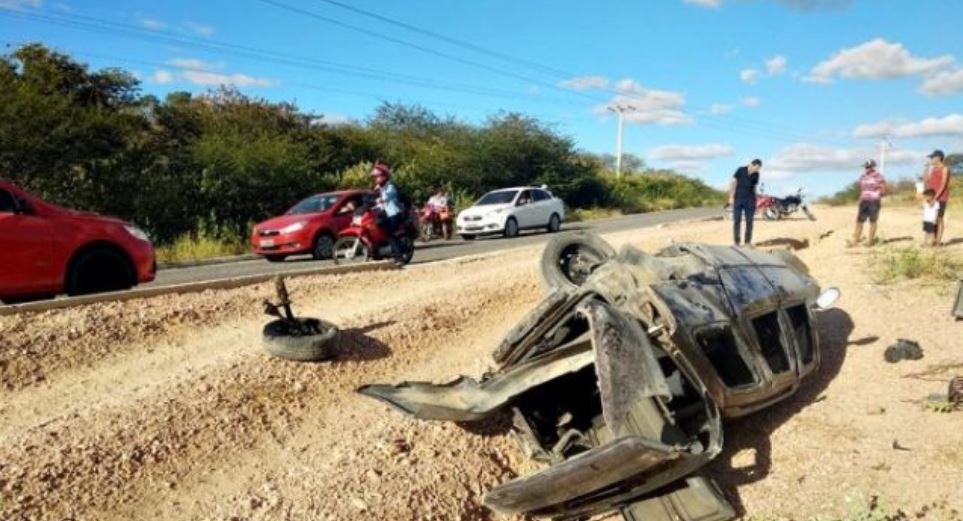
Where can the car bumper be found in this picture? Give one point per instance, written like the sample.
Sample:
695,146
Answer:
145,263
284,244
483,227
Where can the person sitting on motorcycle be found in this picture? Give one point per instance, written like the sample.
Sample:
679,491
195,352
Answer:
390,203
438,202
440,205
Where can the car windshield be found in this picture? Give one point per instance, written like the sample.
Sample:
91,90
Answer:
314,204
501,197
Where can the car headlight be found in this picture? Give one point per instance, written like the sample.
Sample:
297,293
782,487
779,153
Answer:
136,232
295,227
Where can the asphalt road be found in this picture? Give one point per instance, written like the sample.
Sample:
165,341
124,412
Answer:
433,251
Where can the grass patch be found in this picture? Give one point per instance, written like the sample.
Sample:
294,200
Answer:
913,263
199,246
592,214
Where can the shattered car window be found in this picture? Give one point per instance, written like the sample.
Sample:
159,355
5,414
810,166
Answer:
719,346
799,318
770,341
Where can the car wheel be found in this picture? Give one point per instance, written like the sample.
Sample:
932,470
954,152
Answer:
511,227
323,247
554,223
311,340
99,270
568,260
467,236
275,258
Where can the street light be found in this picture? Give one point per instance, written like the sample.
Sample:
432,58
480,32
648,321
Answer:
619,109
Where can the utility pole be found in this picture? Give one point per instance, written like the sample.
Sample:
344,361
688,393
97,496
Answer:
619,109
884,145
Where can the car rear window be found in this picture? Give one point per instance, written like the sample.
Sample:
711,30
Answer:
770,341
6,202
719,346
500,197
799,318
314,204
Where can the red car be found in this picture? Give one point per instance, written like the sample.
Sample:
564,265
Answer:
311,226
46,250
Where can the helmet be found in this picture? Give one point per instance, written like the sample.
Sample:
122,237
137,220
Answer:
380,170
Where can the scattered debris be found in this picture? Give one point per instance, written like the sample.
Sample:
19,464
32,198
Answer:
903,349
897,446
292,338
876,411
955,392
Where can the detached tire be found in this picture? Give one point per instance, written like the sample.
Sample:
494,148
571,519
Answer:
323,345
567,261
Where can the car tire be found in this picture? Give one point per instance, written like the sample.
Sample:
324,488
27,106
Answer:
323,247
323,345
554,223
99,270
467,237
569,259
511,228
275,258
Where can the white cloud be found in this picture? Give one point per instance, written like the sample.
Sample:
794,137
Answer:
720,108
951,125
334,119
943,83
776,65
200,72
19,5
876,59
585,83
751,101
199,29
154,24
648,106
209,79
804,157
194,63
161,77
809,78
705,3
688,167
534,90
690,152
749,76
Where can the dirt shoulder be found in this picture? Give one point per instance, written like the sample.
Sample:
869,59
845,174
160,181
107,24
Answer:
167,408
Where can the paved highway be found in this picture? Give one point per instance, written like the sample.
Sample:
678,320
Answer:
433,251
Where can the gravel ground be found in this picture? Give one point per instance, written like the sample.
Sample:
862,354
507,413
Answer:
167,408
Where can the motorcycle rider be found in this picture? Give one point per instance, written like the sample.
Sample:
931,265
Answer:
390,201
440,205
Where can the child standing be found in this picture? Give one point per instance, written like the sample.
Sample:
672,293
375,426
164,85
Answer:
931,211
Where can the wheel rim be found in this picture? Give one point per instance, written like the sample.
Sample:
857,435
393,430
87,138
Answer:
578,262
350,251
324,247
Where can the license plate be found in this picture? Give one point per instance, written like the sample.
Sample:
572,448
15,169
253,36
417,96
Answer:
267,243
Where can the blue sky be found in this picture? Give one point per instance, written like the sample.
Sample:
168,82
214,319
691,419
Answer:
809,86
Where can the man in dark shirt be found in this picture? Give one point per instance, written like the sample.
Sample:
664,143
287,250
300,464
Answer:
742,199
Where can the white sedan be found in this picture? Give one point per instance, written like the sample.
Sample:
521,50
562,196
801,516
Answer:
510,210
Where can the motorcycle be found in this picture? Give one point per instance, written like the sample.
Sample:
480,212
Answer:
367,240
786,206
775,208
435,222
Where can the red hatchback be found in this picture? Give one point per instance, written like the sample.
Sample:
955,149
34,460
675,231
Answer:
311,226
46,250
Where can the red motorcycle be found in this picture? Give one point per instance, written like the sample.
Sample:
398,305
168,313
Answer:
765,204
434,222
365,239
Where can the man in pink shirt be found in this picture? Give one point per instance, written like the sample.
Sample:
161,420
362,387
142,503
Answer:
872,186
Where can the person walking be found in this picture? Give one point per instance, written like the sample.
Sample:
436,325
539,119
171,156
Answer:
872,186
742,199
938,180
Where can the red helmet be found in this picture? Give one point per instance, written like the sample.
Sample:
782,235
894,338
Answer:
380,170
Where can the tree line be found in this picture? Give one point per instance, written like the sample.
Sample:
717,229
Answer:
217,161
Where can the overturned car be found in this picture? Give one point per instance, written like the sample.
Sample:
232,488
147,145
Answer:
621,376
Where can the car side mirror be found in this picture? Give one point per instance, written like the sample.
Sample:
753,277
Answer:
828,299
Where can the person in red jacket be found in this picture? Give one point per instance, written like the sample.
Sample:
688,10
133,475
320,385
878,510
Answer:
938,179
